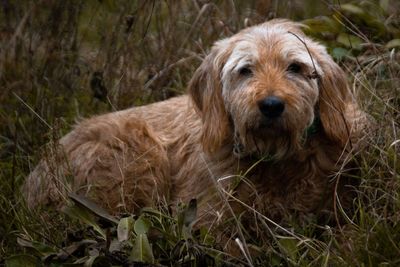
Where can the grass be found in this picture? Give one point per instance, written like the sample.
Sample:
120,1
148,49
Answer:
63,60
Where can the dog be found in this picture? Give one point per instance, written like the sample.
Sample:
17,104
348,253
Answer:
268,124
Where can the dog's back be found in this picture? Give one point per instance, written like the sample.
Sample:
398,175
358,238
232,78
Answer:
120,159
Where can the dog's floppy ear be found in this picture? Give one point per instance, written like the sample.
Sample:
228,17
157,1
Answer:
205,89
335,98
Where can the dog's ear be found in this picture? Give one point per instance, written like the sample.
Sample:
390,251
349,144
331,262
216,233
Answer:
205,89
335,98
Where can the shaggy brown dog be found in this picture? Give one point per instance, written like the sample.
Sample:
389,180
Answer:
268,123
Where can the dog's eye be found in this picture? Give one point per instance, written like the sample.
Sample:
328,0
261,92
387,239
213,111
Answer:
294,68
245,71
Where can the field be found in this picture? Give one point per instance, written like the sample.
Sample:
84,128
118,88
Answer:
61,61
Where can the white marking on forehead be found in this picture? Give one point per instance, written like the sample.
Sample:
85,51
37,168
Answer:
291,46
267,32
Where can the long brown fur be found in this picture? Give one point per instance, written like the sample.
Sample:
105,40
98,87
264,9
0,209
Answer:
211,144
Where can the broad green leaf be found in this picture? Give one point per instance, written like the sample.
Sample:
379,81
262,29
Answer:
82,214
350,41
321,24
141,250
22,260
393,43
370,20
93,207
124,229
352,9
142,225
42,250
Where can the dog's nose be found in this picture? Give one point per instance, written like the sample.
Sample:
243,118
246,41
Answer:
271,107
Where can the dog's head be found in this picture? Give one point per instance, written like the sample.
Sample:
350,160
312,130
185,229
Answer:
262,88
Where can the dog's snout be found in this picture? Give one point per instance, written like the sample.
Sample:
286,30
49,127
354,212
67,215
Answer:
271,107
